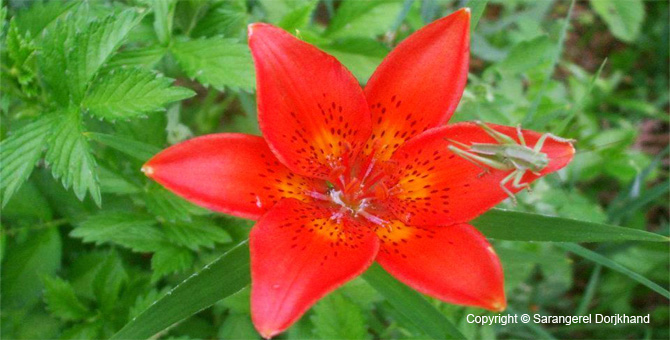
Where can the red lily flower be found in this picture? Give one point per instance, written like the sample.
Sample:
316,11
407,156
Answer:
344,176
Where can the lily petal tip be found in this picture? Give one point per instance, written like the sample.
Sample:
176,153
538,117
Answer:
251,28
499,306
255,27
268,333
467,10
147,170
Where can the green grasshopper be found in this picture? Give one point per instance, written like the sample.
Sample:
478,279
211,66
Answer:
506,155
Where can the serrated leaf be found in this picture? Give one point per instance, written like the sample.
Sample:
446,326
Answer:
21,51
624,18
196,234
70,157
336,317
226,18
298,17
145,57
93,47
20,152
129,93
53,61
42,13
169,260
62,301
363,18
216,62
169,206
70,58
134,231
138,150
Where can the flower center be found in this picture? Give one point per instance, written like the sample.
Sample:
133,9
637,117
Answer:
356,187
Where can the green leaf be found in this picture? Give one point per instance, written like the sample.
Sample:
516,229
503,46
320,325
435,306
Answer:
19,48
336,317
528,54
298,17
276,10
624,18
113,183
53,60
363,18
70,59
21,51
163,18
109,280
226,18
170,207
130,147
42,13
528,120
198,233
520,226
237,326
131,92
83,331
590,291
602,260
25,263
70,157
20,152
134,231
145,57
219,279
360,55
170,260
93,47
477,8
216,62
411,304
230,273
144,301
62,301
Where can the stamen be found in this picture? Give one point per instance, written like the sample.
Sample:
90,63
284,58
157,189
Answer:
318,196
372,218
370,164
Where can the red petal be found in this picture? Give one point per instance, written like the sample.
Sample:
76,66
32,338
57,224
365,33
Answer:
455,263
310,108
229,172
420,82
299,253
437,187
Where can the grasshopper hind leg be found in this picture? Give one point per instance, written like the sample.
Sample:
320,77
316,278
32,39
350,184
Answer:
517,181
515,177
503,186
474,159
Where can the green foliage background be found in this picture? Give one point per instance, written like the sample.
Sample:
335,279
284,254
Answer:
90,90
